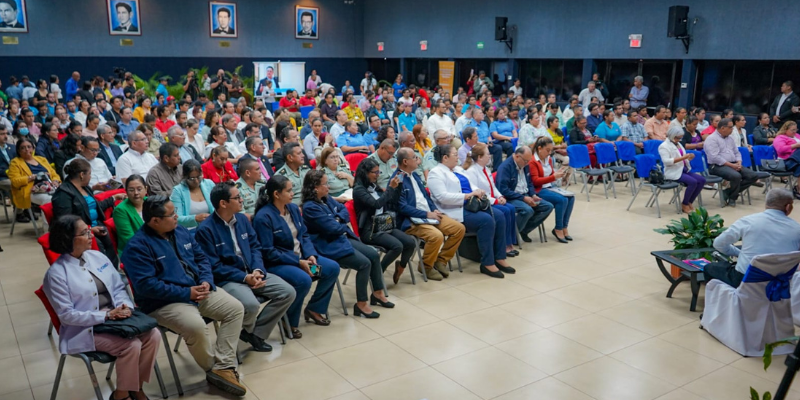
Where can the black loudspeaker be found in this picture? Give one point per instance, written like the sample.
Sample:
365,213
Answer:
500,28
678,24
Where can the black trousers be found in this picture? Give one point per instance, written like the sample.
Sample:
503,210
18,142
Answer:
739,180
496,150
723,271
397,244
106,247
367,263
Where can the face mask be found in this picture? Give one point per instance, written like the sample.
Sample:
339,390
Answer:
24,131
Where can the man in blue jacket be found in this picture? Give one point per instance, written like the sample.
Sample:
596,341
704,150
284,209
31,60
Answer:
515,184
173,283
232,248
416,204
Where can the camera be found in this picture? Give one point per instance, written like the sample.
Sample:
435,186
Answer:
120,72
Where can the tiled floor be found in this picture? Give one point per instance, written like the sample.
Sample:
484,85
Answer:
587,320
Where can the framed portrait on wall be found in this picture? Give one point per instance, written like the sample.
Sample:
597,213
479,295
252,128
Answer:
13,16
306,22
123,17
222,20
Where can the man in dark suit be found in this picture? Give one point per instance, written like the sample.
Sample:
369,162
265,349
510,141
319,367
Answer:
223,22
255,150
124,13
307,25
109,151
7,153
269,78
784,107
8,15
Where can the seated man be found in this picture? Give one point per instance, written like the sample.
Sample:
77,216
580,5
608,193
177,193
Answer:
173,283
771,231
101,176
725,161
470,136
136,160
485,137
633,131
351,141
255,151
514,183
7,153
416,203
166,174
440,138
233,251
249,184
387,164
294,169
408,141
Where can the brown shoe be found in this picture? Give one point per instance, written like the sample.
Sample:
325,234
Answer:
442,268
398,270
226,380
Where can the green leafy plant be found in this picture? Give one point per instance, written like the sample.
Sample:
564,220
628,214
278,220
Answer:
767,358
697,230
176,89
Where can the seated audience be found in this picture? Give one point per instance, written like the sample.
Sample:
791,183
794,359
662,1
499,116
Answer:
786,143
480,177
351,141
101,179
632,131
440,138
340,179
406,120
532,130
172,281
8,152
371,200
165,175
502,131
763,134
219,138
136,160
177,136
127,215
557,135
768,232
48,142
677,166
692,140
287,252
725,161
450,191
712,126
255,151
249,184
192,197
70,147
294,169
608,131
545,177
387,164
231,245
739,134
218,168
407,141
470,137
326,221
656,127
594,118
76,198
514,182
33,181
416,211
110,152
84,293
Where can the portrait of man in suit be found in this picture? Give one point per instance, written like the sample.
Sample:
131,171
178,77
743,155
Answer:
223,19
307,22
269,77
12,16
123,17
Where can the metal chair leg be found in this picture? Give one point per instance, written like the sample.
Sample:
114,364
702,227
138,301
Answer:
50,329
58,376
110,370
419,256
635,194
458,261
92,375
655,199
13,222
347,275
177,344
160,379
583,178
341,296
289,332
171,361
33,221
5,208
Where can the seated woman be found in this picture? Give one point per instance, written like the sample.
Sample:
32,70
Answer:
786,144
218,169
608,131
327,140
543,175
84,293
580,135
192,197
677,166
211,120
559,146
480,176
386,132
128,214
763,134
288,252
532,130
712,126
22,131
70,147
75,197
380,112
370,200
692,140
326,221
340,179
354,112
449,192
48,142
421,139
29,175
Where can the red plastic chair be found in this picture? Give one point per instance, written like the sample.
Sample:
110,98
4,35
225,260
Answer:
47,210
355,159
51,256
351,209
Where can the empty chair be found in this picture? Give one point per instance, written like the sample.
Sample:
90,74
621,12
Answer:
607,158
579,160
644,164
651,147
759,311
748,163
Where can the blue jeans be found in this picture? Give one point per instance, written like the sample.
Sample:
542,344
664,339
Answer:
301,282
562,204
507,210
528,218
490,228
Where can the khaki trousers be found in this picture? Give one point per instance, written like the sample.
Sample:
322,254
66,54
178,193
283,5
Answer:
187,320
433,235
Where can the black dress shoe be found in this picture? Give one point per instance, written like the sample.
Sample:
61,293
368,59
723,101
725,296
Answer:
568,237
511,254
560,240
525,238
374,301
506,270
258,344
516,252
493,274
358,313
22,218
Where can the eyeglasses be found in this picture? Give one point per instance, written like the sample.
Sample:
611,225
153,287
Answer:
239,198
196,178
173,215
85,233
377,171
93,150
140,140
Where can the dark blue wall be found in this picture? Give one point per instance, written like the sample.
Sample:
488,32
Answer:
179,28
731,29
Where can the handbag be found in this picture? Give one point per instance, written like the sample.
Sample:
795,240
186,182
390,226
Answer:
383,222
776,165
128,328
656,176
475,204
43,184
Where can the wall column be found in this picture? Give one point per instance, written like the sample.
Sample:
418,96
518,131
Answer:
586,76
687,77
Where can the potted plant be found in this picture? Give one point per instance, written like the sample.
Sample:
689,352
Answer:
698,230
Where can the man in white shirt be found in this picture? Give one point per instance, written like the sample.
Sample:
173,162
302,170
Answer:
463,120
368,83
136,160
100,173
441,121
338,128
585,97
406,99
517,88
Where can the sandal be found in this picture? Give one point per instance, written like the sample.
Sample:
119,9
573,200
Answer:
310,317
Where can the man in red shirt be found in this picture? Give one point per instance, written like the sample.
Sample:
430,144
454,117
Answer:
218,169
308,99
290,105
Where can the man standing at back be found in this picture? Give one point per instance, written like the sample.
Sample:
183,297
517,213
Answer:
639,93
784,107
585,97
771,231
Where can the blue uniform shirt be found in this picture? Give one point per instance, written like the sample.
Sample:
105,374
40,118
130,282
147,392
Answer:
351,140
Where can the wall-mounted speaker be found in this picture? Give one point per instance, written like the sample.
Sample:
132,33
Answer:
500,28
678,24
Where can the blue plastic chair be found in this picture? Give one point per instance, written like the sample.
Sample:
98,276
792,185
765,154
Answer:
579,160
626,150
305,110
276,106
645,163
651,147
763,152
750,140
564,131
607,158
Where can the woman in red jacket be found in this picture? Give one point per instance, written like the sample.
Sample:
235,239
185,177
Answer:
218,169
545,177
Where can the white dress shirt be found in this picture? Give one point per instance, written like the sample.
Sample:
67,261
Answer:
132,162
435,122
422,202
481,178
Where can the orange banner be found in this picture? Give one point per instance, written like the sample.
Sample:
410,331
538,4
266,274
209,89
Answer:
446,72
